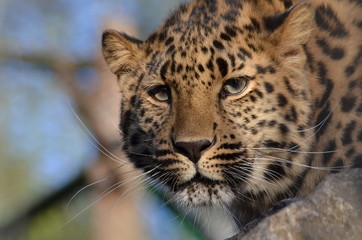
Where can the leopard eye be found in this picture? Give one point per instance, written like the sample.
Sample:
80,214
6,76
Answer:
234,86
160,93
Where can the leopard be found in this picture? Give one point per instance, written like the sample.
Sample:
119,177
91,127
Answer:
242,103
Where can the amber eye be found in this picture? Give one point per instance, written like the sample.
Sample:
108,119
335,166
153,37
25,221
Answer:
160,93
234,86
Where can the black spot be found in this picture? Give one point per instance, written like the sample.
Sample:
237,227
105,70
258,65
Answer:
274,171
230,146
292,115
357,162
252,98
232,136
272,123
261,123
349,70
260,94
169,41
323,120
223,66
230,31
329,152
126,122
162,36
310,58
255,23
201,68
327,20
210,65
152,38
359,109
229,156
173,67
335,53
212,50
282,100
293,148
218,44
149,120
288,85
133,100
204,50
283,128
337,166
162,141
347,133
163,70
170,49
245,52
225,37
350,152
359,136
254,131
241,66
231,15
180,67
260,69
162,153
347,103
232,59
212,6
234,3
358,24
271,70
156,125
322,72
273,22
269,87
287,3
273,144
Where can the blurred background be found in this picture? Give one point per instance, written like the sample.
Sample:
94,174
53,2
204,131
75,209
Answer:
62,175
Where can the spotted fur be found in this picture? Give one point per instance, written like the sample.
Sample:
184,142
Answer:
298,119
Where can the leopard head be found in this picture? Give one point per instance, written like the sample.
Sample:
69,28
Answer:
215,103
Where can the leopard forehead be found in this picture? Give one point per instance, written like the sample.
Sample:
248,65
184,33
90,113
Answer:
197,31
206,42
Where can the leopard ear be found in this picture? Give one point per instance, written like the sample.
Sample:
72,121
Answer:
121,52
291,29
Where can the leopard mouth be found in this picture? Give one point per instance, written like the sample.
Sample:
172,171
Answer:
198,179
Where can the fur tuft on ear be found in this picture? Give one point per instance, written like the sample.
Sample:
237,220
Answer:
121,52
290,30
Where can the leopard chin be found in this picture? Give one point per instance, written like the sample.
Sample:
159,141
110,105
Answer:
200,192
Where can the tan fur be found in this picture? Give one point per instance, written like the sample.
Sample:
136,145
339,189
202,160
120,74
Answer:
298,119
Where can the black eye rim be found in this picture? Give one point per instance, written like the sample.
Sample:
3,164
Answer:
245,81
152,93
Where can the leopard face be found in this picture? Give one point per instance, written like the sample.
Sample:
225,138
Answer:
217,104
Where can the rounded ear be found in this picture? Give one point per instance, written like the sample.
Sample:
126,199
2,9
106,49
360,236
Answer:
290,30
121,52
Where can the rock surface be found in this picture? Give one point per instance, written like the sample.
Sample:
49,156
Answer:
332,211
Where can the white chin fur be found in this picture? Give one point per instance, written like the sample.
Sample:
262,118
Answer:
198,194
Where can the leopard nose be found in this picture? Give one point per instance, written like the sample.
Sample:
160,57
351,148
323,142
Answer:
193,149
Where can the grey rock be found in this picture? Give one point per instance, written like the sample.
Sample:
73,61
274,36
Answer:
332,211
